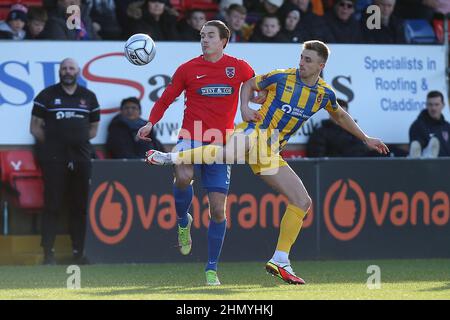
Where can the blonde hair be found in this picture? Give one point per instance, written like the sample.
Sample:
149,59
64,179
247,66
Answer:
318,46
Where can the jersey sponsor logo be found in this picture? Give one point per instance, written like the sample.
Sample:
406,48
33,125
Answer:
216,90
230,72
67,115
286,108
59,115
294,111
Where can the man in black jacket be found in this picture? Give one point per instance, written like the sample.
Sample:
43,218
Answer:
156,21
429,135
65,117
121,142
392,29
330,140
56,26
341,23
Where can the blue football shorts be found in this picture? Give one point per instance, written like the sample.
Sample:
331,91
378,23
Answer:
215,177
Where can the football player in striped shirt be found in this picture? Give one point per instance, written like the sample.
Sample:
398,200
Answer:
294,95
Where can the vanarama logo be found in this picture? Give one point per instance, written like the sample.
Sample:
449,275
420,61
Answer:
112,215
346,218
347,208
115,216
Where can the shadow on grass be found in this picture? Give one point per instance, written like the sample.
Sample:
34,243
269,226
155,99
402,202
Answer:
188,278
445,287
177,291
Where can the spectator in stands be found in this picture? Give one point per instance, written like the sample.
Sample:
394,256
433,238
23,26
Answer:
262,9
190,29
5,35
103,15
126,12
56,26
330,140
15,23
37,18
64,117
291,27
156,21
311,25
224,5
392,28
421,9
121,142
269,30
341,23
429,135
235,21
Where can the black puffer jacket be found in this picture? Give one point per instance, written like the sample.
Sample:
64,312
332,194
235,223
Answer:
330,140
121,142
393,33
343,31
165,29
426,127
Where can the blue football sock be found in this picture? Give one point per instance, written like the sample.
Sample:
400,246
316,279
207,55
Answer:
216,234
183,199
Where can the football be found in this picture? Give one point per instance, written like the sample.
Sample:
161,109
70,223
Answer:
140,49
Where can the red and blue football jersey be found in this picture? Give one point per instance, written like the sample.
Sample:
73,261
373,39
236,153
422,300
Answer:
211,95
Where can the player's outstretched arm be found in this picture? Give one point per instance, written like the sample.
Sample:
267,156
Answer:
247,89
144,132
346,121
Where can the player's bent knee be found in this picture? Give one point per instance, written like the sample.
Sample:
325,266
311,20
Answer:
217,214
303,203
183,178
183,181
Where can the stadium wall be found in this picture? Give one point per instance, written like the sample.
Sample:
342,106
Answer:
386,85
362,209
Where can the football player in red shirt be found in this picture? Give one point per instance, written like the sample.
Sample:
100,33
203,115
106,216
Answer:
211,83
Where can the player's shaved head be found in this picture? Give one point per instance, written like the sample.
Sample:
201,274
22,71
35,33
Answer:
69,62
69,71
318,46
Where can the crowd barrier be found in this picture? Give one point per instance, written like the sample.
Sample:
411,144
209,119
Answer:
362,209
385,85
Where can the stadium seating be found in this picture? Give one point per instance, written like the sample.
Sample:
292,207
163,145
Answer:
360,7
418,31
6,4
210,7
293,154
438,26
22,177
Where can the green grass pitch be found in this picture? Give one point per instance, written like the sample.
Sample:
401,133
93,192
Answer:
400,279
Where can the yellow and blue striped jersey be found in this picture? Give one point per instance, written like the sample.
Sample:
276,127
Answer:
290,102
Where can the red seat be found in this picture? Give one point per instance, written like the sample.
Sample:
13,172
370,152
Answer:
438,26
3,13
210,7
100,154
17,161
22,175
29,191
293,154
